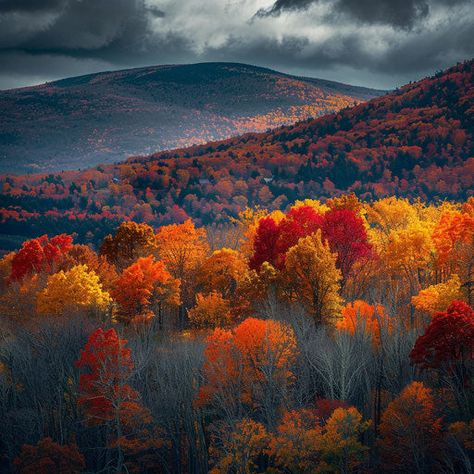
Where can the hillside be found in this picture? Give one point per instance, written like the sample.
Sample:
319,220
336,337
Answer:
82,121
416,142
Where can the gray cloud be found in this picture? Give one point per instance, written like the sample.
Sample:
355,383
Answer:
30,5
379,43
402,14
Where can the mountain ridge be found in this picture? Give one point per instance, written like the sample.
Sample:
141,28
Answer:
107,116
416,142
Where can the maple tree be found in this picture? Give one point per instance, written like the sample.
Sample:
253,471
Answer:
410,431
300,221
453,238
304,442
74,289
182,248
341,447
107,398
240,449
40,254
448,338
49,457
141,286
296,444
347,237
360,315
103,389
222,271
265,243
84,255
239,363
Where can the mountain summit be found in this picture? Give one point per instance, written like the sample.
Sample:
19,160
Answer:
105,117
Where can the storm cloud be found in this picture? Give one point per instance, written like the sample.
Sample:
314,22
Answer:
378,43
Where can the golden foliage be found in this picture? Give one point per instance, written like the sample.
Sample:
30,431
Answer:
210,311
77,288
438,297
311,278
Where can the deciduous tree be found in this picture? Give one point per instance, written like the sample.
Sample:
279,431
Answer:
130,241
239,450
251,364
39,255
210,311
410,432
142,286
48,457
438,297
311,278
75,290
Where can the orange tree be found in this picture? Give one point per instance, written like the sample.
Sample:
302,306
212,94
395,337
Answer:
142,285
250,366
410,432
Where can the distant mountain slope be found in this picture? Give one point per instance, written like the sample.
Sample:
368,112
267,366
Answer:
416,142
82,121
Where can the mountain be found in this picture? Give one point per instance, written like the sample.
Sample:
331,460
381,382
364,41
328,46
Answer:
82,121
417,141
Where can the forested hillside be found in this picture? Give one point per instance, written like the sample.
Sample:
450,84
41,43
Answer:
416,142
82,121
336,337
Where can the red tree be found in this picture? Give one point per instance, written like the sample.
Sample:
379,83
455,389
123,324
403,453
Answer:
265,243
107,398
39,254
448,338
273,240
346,235
298,222
47,457
103,389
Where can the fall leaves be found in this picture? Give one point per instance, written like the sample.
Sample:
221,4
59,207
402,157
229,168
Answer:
334,337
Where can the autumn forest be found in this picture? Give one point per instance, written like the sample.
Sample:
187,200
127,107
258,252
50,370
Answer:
333,337
294,301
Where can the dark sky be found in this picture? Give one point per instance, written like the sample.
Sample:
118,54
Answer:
377,43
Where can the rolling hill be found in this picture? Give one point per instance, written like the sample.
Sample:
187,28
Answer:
417,142
82,121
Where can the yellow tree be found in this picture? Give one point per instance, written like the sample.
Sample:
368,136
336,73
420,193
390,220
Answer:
340,446
210,311
317,205
74,290
407,256
238,450
346,201
438,297
84,255
254,288
310,277
390,214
